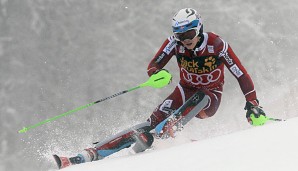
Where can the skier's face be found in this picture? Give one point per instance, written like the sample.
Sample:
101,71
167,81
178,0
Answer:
189,38
190,43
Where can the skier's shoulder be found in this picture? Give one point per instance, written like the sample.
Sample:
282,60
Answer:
169,44
212,35
215,40
171,40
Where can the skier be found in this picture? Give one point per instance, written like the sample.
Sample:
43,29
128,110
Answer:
201,57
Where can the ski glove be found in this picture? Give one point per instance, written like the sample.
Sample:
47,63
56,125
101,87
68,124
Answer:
159,79
255,114
157,71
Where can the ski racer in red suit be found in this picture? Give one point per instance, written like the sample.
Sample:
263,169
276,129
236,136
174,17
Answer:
201,58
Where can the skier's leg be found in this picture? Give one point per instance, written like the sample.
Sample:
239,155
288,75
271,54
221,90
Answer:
180,95
138,135
169,105
213,104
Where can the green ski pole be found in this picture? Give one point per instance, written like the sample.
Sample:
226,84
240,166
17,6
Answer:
261,120
158,80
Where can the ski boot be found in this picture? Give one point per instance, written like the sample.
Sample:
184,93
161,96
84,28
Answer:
170,128
87,155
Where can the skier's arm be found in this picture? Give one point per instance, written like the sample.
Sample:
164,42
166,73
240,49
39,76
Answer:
162,57
234,65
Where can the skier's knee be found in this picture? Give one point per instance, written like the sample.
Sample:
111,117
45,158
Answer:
204,114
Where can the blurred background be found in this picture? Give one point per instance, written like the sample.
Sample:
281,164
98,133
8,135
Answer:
58,55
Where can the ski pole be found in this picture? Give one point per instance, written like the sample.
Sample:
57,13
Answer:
274,119
261,120
158,80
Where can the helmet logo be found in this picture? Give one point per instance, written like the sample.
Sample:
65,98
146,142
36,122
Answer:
191,11
181,22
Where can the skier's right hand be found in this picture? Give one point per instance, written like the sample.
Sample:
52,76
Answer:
159,79
157,71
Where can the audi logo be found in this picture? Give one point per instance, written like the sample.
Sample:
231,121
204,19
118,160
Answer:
201,79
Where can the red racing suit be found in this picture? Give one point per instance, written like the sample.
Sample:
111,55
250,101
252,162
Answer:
200,69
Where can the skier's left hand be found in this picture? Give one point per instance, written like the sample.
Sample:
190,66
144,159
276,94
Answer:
255,114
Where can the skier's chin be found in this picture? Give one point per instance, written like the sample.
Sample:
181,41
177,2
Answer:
190,45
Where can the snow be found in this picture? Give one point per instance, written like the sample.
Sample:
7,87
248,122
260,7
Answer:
270,147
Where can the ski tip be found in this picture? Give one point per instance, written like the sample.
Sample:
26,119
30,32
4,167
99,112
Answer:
58,161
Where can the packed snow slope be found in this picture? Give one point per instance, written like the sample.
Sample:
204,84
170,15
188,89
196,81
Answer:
270,147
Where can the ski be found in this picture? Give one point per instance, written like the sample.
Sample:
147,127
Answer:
63,162
177,120
59,161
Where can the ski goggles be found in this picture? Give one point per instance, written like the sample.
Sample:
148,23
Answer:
190,34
